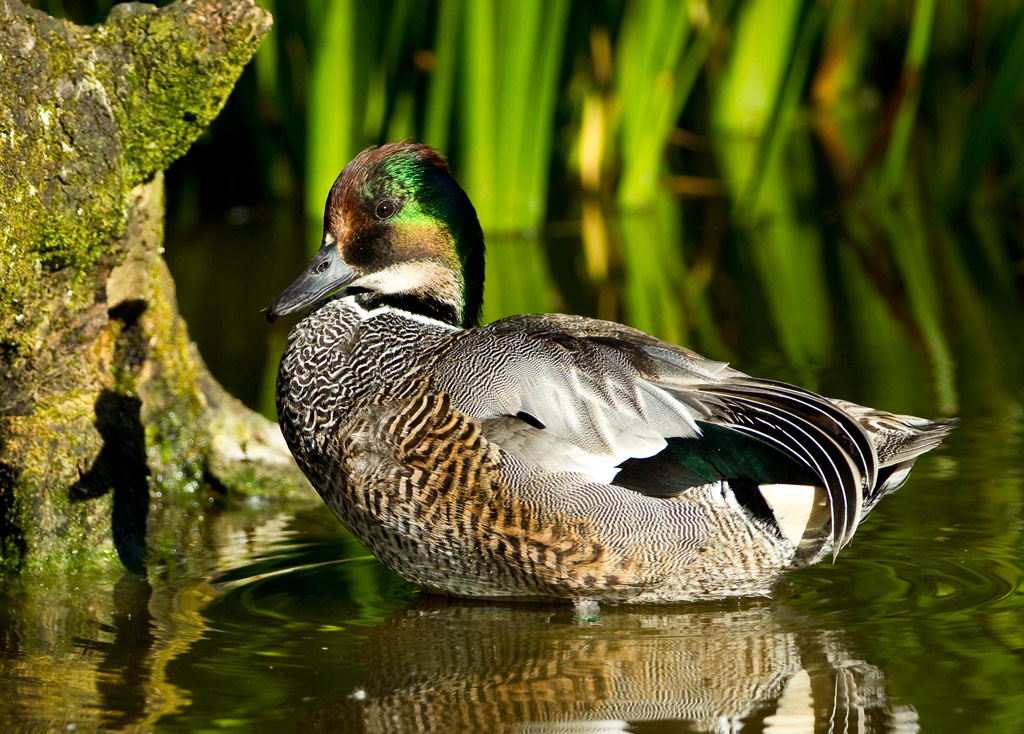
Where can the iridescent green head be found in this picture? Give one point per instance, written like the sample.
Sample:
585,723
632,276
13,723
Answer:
398,230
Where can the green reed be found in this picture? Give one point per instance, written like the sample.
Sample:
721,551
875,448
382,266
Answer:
336,73
657,65
497,86
984,131
511,61
795,107
897,152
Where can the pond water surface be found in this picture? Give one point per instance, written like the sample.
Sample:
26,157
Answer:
291,626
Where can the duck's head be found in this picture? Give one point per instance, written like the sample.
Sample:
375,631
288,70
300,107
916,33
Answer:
398,230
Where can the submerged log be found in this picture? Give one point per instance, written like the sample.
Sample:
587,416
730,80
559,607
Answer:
110,422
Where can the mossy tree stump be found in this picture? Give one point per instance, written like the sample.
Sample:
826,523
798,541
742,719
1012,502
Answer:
109,420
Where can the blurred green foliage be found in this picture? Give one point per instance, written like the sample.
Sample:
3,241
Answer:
700,169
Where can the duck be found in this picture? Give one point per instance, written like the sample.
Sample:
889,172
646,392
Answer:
549,457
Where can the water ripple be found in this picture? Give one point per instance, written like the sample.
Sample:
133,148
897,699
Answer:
886,583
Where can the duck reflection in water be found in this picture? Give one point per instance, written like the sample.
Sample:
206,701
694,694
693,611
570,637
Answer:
456,666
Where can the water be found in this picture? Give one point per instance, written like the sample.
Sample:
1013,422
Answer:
292,627
295,629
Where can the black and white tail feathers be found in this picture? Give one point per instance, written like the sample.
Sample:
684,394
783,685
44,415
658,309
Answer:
857,454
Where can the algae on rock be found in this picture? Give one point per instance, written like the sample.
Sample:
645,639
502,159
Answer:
110,423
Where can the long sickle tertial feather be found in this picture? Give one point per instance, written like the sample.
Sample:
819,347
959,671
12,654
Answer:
812,431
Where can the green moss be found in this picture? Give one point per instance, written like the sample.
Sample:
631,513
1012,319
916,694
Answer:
77,238
83,543
55,441
250,481
60,53
80,146
92,113
161,124
62,206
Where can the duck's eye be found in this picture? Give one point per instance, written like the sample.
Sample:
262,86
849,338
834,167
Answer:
386,209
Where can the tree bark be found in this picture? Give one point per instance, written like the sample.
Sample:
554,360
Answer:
111,427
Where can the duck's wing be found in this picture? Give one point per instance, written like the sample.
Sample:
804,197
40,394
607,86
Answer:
577,394
565,391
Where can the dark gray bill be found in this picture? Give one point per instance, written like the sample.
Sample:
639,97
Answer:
325,274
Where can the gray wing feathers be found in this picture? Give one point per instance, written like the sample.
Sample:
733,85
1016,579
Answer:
601,393
585,394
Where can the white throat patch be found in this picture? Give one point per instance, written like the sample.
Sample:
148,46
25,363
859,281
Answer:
418,276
